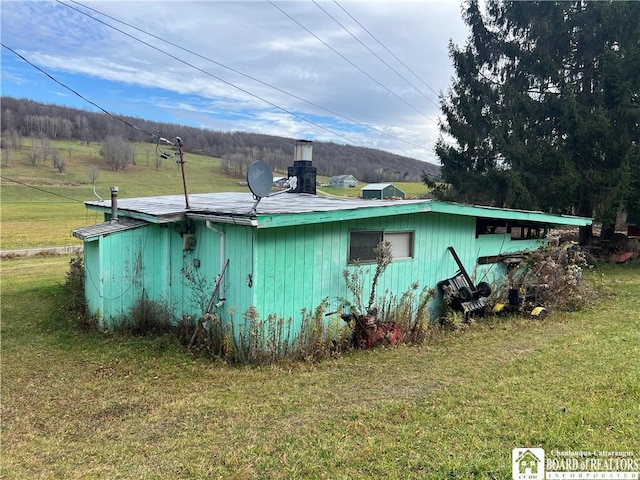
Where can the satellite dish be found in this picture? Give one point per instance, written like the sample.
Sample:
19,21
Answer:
260,179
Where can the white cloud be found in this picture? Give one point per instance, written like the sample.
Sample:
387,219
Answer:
257,39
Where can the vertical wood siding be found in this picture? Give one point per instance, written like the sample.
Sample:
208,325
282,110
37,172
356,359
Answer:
280,271
239,252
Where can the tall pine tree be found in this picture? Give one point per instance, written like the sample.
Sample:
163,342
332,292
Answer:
544,112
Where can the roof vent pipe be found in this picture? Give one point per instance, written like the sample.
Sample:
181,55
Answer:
114,204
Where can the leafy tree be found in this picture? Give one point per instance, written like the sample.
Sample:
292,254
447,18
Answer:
545,109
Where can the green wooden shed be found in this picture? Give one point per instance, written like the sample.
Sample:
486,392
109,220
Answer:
381,191
287,253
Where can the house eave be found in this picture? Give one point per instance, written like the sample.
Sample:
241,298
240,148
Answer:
104,229
149,218
528,216
297,209
399,208
228,219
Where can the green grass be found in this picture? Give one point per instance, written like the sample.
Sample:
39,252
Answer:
103,406
411,189
45,210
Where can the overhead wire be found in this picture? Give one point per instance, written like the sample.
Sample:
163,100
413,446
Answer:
39,189
352,63
387,49
250,77
243,90
75,92
374,53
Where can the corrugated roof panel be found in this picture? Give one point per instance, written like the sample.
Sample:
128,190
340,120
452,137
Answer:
107,228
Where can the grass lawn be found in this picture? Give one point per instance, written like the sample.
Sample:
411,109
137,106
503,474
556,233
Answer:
411,189
40,206
76,405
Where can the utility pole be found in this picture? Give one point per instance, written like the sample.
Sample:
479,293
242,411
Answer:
184,176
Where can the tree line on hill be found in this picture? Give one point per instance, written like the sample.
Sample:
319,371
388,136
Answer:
28,118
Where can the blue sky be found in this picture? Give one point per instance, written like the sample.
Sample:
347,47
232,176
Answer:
358,72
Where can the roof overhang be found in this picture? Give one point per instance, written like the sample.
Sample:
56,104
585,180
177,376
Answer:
93,232
299,209
230,219
520,216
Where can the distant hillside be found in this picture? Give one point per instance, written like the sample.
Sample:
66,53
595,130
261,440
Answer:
22,117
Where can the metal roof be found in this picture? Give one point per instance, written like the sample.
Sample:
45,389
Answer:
299,208
107,228
376,186
343,177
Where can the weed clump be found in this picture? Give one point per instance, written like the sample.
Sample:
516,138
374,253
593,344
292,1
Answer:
263,341
147,317
76,305
551,277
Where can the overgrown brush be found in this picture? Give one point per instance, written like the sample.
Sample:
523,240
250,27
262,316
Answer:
552,277
410,312
450,318
264,341
76,305
147,317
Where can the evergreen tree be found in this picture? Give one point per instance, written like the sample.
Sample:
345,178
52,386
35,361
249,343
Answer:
544,112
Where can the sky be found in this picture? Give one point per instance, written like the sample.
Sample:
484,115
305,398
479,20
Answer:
365,73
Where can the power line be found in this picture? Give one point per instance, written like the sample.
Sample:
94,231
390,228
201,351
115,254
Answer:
352,64
300,117
76,93
383,46
374,53
244,74
39,189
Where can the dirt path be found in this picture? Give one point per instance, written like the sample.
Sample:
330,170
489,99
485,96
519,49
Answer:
30,252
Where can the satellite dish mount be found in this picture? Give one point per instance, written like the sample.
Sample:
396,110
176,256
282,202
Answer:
260,181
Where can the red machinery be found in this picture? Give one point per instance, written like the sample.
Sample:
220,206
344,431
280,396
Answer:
369,331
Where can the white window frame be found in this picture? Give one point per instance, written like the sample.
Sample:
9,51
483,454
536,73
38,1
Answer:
402,245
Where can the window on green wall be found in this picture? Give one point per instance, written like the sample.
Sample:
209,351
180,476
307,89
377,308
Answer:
362,245
517,231
401,244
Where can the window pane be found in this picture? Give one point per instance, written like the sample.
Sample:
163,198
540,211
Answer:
401,244
362,246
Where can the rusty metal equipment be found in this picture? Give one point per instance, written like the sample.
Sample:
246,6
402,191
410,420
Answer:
465,296
368,331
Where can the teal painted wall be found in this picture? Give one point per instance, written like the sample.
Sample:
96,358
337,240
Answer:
280,271
149,261
496,244
114,273
297,267
300,266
